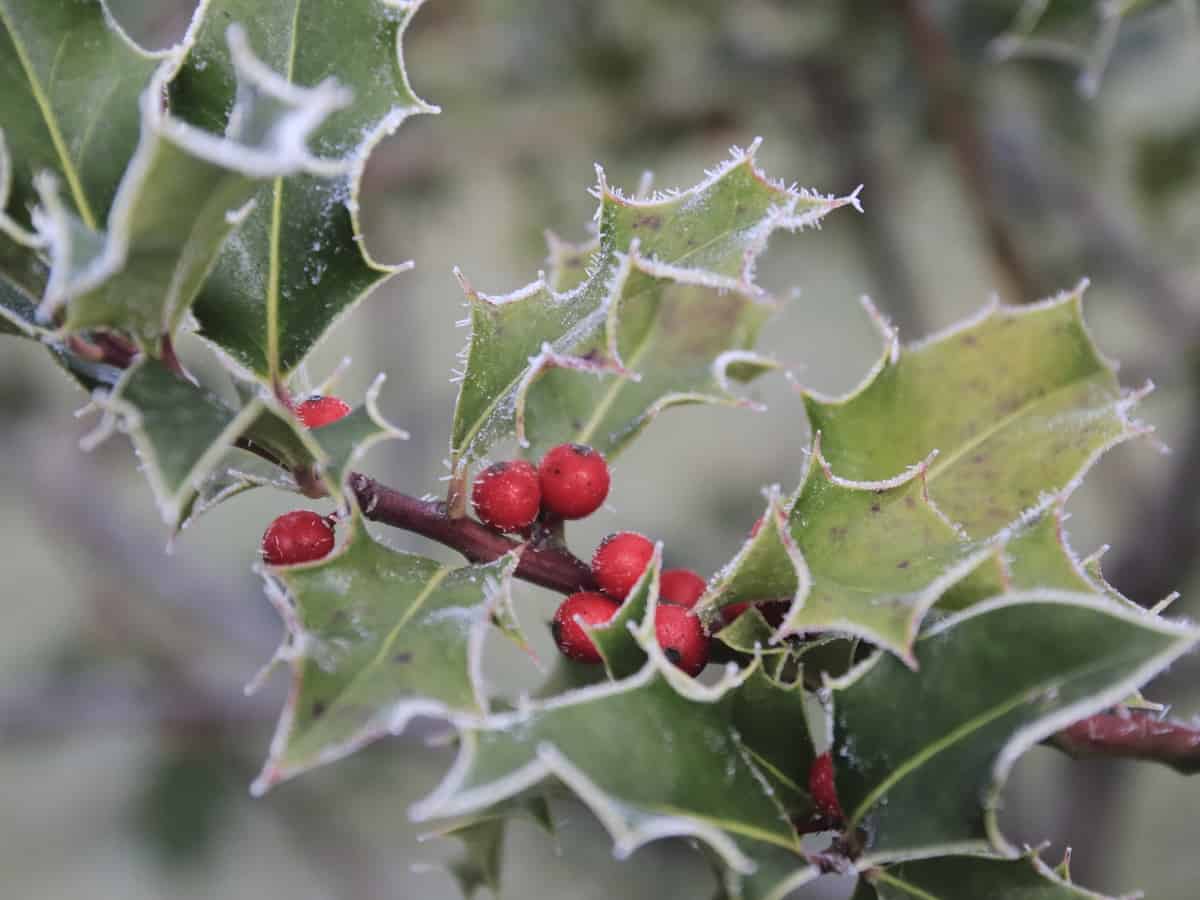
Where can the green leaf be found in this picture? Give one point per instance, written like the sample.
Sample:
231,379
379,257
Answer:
991,682
184,191
864,558
482,837
71,81
375,637
298,263
955,877
620,639
1033,554
183,433
1017,403
608,743
666,314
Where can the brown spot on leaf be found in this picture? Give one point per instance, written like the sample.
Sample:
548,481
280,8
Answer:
903,564
318,709
875,507
654,223
402,657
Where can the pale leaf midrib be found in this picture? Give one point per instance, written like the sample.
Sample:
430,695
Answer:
51,122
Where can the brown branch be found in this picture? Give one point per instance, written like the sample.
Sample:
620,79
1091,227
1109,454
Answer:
1133,735
946,83
547,565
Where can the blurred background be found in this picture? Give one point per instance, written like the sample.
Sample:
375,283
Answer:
991,163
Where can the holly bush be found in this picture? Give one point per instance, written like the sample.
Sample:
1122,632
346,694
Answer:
910,604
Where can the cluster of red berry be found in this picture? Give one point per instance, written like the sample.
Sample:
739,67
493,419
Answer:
571,482
303,535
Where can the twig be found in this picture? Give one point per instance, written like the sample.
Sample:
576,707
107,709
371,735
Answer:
944,79
549,566
1134,735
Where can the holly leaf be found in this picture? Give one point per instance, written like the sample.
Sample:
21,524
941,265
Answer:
864,558
482,838
991,682
620,639
1032,554
71,80
952,877
374,638
183,433
184,191
711,791
1017,403
667,313
1008,411
298,262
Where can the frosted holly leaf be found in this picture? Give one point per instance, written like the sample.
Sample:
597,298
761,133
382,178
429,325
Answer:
666,313
714,793
184,191
1034,553
238,471
862,558
299,262
374,638
22,273
71,81
183,433
952,877
567,263
482,836
1017,402
620,639
990,683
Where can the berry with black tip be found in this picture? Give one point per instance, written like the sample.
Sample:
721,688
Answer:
316,412
822,788
574,480
572,640
682,637
296,537
507,495
683,587
619,562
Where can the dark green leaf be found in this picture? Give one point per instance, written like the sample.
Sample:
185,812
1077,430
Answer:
184,191
298,262
71,85
921,756
958,877
608,744
374,638
667,313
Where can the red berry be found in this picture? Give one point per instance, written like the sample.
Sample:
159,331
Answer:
682,637
683,587
822,787
574,481
773,611
619,562
572,640
296,537
507,495
316,412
